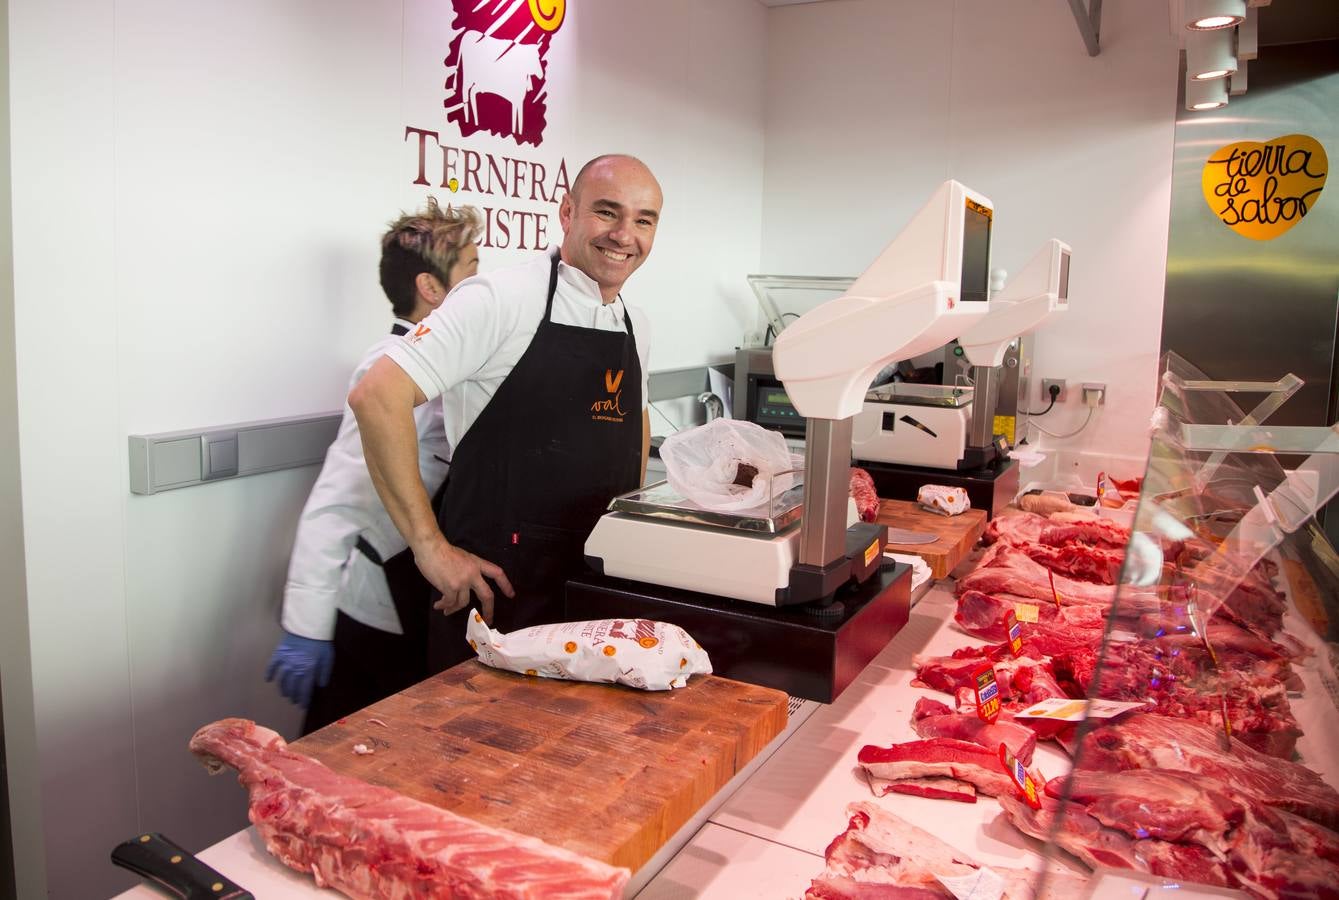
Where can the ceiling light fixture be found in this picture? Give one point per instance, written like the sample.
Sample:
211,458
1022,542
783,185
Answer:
1210,54
1204,95
1214,15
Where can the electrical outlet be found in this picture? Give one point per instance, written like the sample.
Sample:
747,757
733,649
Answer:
1094,393
1046,389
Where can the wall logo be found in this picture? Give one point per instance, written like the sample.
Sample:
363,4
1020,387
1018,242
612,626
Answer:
497,82
1260,190
496,66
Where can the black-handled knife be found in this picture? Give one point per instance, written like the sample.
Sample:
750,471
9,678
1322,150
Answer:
173,869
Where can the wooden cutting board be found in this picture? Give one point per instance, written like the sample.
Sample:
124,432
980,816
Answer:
604,770
956,534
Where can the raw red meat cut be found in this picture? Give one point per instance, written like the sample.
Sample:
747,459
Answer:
866,497
1171,806
1076,528
1006,569
1098,565
1158,742
1020,528
371,842
881,855
932,719
936,758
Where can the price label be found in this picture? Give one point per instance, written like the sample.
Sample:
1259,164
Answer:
983,884
1065,710
1025,612
1015,633
1027,787
987,694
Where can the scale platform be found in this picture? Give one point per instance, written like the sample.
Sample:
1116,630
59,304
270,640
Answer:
786,648
656,535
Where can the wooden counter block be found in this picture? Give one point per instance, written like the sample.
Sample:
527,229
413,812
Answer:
605,770
957,534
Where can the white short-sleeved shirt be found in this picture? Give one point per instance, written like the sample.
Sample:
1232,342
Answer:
466,348
326,573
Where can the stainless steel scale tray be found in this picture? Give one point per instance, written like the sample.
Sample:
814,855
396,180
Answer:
660,501
950,396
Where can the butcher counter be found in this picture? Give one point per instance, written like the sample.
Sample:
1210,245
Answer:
763,833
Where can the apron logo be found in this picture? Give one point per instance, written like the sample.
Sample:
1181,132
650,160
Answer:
611,408
496,67
418,333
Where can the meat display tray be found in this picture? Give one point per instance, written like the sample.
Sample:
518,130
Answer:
784,648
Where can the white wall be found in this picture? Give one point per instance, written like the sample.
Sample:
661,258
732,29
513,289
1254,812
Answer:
198,190
871,103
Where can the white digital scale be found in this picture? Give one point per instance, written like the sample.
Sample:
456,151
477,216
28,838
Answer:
952,426
927,287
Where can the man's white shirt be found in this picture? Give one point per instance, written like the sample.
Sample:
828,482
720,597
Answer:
326,573
467,347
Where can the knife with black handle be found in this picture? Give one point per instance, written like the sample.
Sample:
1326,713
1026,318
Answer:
173,869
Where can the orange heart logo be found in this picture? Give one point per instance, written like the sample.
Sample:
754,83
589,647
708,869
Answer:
1261,190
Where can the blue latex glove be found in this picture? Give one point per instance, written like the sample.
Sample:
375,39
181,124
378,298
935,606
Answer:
300,664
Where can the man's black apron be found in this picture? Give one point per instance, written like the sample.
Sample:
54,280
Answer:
371,664
560,438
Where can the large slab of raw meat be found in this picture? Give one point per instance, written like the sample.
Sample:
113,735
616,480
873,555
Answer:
371,842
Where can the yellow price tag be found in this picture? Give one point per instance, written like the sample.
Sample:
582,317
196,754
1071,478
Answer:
1025,612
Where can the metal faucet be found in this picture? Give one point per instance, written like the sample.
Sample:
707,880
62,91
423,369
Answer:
714,405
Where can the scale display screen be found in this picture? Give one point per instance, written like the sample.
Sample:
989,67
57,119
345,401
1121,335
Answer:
771,407
1064,276
975,252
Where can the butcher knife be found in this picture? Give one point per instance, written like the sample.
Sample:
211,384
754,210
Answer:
173,869
907,536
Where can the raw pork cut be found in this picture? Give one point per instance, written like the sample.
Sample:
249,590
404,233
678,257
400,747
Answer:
1158,742
888,767
371,842
932,719
881,855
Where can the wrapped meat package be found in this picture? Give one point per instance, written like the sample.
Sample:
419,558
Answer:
945,500
652,656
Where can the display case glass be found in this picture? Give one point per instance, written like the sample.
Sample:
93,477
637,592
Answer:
1210,751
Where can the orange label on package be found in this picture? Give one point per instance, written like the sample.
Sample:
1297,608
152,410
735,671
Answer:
1025,612
987,693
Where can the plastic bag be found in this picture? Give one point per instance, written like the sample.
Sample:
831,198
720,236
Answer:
652,656
713,465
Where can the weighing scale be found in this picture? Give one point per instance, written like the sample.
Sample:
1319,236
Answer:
658,558
910,435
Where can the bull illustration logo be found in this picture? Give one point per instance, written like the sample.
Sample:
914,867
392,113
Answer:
496,66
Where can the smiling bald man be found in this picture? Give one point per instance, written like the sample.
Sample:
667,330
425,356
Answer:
541,370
